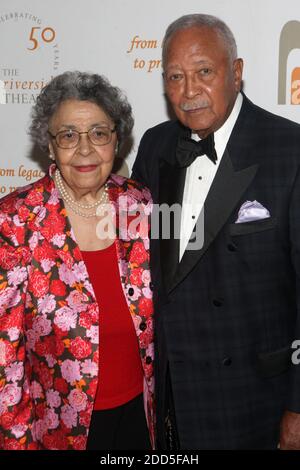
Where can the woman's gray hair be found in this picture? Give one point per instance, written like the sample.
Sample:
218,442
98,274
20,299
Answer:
80,86
200,21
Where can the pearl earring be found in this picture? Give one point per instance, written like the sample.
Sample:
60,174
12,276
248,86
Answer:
51,156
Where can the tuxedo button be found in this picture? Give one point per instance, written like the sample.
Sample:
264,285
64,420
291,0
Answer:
143,326
217,302
231,247
227,361
130,291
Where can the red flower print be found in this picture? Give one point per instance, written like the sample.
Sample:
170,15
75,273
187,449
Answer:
58,288
54,223
114,194
40,410
44,251
90,317
14,319
85,320
32,446
8,205
7,352
52,207
84,418
24,213
136,276
9,257
46,185
79,443
50,345
121,251
92,387
61,385
96,356
138,253
56,345
34,198
39,284
59,346
7,420
94,312
66,257
23,416
148,369
28,320
145,338
19,233
55,441
41,348
145,306
6,228
13,444
21,353
26,254
45,376
80,348
77,254
58,332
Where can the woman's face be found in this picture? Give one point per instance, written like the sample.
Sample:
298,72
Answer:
87,166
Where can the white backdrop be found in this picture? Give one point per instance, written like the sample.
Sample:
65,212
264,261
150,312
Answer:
40,39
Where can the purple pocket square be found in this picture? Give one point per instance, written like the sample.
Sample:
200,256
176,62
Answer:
250,211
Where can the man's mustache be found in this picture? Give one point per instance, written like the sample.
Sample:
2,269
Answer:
192,106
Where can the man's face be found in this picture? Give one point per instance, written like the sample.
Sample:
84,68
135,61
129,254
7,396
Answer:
201,81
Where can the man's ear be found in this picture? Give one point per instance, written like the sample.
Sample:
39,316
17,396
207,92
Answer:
238,66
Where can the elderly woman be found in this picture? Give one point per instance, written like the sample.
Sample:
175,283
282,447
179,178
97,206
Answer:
76,339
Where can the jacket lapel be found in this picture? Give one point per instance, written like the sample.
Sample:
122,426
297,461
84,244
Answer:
171,187
226,190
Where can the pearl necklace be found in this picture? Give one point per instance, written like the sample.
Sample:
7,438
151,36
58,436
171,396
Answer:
76,206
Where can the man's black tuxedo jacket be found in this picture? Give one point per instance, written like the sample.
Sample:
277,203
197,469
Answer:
226,316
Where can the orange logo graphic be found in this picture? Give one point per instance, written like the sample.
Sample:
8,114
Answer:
289,41
295,88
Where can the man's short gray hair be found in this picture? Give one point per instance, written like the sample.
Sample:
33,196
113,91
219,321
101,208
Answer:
200,21
80,86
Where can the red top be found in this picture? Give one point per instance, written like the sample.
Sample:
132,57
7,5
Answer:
120,368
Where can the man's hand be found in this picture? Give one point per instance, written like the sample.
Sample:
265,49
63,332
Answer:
290,431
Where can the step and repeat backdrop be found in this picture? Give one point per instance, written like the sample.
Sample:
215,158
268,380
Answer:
121,39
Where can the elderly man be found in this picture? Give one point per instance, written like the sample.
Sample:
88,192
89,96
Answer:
226,312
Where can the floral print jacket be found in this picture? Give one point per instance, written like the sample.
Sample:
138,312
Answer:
49,344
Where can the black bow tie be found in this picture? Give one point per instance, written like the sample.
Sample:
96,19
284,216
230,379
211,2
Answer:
188,150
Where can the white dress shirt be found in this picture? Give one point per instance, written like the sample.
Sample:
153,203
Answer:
200,175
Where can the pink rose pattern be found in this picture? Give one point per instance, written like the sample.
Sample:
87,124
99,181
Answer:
49,316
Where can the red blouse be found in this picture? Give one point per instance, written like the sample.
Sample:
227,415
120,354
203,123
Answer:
121,373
